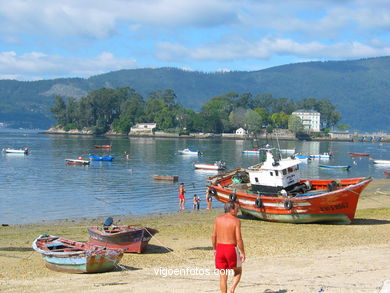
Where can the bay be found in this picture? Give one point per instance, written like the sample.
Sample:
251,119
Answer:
41,187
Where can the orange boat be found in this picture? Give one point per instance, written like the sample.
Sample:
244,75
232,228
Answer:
386,173
359,154
273,191
103,146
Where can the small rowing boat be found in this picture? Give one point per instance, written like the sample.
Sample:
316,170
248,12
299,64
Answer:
23,151
79,161
381,162
387,173
166,177
346,167
69,256
218,165
103,146
130,238
359,154
108,158
251,152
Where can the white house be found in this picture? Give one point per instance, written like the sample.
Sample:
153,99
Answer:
241,131
143,127
310,119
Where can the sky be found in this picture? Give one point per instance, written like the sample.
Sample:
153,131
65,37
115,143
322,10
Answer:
46,39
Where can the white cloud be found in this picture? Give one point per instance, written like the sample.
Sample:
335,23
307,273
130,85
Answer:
34,65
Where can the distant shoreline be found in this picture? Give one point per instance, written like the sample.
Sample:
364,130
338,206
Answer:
162,134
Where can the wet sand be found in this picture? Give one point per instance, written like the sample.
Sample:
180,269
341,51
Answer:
280,257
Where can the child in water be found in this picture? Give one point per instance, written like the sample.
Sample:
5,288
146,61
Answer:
196,202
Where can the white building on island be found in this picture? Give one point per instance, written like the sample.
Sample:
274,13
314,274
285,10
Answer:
310,119
143,127
241,131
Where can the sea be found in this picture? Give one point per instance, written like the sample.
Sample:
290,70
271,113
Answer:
41,187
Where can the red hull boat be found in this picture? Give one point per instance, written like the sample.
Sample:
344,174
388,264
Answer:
273,191
359,154
386,173
103,146
130,238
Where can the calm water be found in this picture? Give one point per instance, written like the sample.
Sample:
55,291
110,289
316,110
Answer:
41,186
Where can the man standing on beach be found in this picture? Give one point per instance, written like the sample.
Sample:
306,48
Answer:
181,195
227,245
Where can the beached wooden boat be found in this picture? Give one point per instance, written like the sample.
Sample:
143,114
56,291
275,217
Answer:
80,161
23,151
274,191
69,256
345,167
382,162
103,146
386,173
218,165
359,154
108,158
129,238
173,178
189,152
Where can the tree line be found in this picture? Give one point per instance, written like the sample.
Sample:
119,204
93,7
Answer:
119,109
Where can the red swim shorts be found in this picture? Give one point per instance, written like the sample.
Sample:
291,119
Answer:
181,196
227,257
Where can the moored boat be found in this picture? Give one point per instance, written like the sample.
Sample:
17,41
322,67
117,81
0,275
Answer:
69,256
359,154
103,146
23,151
345,167
189,152
287,151
321,156
251,152
173,178
274,191
108,158
387,173
129,238
79,161
381,162
218,165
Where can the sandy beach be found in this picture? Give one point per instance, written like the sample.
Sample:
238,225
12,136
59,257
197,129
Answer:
280,257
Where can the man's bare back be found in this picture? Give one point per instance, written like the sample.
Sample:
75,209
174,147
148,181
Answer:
226,228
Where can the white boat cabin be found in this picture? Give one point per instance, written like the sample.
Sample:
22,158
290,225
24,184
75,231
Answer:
272,176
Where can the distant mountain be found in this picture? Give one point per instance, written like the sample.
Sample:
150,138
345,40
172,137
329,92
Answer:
360,89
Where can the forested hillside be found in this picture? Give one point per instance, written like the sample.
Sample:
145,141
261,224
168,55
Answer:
360,89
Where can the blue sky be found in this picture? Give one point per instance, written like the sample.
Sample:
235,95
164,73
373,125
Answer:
44,39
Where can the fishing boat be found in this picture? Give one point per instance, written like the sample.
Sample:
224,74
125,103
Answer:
274,191
251,152
189,152
23,151
218,165
359,154
381,162
103,146
108,158
79,161
321,156
387,173
69,256
173,178
129,238
346,167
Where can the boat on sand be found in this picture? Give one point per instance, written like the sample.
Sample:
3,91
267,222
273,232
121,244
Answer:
274,191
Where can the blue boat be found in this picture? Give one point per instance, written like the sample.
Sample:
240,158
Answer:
101,158
346,167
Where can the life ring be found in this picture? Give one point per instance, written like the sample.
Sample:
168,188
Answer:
259,202
232,197
213,192
288,204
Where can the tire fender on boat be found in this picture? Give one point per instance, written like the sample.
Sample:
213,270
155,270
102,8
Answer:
288,204
213,192
233,197
259,202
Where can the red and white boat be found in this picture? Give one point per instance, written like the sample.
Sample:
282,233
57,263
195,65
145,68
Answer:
218,165
359,154
103,146
274,191
386,173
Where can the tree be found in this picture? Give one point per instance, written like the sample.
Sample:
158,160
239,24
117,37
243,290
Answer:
295,124
59,110
253,121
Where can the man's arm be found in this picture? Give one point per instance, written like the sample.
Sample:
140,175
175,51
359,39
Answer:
240,242
214,236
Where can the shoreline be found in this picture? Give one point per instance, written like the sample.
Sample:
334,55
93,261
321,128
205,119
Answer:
280,257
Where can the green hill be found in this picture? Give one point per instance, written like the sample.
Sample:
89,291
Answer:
359,88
